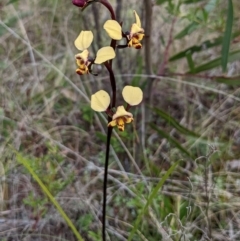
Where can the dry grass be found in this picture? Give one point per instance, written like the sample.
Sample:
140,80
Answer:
45,115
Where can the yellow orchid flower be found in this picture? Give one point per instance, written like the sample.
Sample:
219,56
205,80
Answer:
120,118
82,42
100,102
135,35
82,62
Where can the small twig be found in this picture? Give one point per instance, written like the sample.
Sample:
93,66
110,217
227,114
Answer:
207,194
203,76
166,52
147,53
148,33
97,26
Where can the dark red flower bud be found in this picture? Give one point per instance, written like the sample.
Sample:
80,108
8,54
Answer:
79,3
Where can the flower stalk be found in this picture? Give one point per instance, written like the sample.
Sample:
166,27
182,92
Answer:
109,7
101,100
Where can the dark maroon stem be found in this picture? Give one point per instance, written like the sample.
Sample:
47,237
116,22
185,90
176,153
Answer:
113,83
109,134
123,46
113,16
108,65
109,7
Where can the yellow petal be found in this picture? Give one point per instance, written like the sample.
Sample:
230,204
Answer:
136,29
140,36
84,40
132,95
113,29
121,112
83,55
138,21
128,119
100,101
112,123
104,54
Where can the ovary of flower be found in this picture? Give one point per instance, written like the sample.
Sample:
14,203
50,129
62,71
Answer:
82,42
135,35
100,102
120,118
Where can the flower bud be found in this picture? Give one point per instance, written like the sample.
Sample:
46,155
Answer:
79,3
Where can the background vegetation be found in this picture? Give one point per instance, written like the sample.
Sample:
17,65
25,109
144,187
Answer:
52,141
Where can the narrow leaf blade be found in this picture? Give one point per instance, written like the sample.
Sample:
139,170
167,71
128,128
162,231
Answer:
171,139
174,123
227,36
151,198
233,56
26,164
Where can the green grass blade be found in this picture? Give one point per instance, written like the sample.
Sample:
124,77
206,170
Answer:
187,30
202,47
191,1
174,123
233,81
152,195
25,163
227,36
233,56
190,61
171,139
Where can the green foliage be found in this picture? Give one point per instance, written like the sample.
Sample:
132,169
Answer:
36,203
233,56
203,17
95,236
151,197
27,164
45,115
47,169
87,113
227,36
208,44
172,140
12,1
85,221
